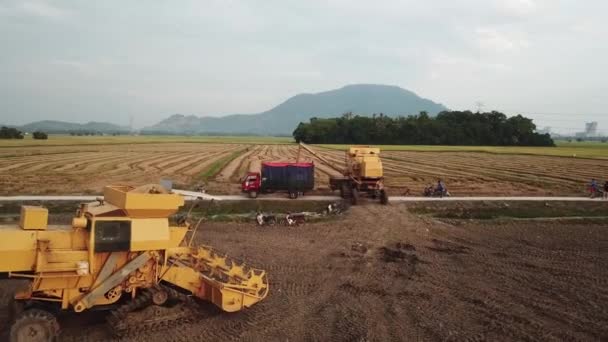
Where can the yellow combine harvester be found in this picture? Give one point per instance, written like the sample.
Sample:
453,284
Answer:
120,253
363,173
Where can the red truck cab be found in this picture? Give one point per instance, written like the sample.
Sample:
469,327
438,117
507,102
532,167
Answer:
252,183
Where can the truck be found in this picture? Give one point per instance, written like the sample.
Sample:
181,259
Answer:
295,178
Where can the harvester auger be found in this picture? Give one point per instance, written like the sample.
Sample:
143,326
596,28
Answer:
363,174
121,254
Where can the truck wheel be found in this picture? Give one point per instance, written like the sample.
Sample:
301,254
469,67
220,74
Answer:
293,195
34,325
355,196
253,194
383,197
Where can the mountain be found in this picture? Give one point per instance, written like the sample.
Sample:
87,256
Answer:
362,99
51,126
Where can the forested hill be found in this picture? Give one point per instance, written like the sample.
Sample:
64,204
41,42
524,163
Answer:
447,128
53,126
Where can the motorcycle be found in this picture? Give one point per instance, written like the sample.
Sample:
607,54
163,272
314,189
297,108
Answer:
434,192
595,192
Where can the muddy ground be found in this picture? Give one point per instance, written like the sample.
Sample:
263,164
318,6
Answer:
394,274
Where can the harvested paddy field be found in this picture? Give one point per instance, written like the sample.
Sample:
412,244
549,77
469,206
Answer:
389,273
74,169
86,169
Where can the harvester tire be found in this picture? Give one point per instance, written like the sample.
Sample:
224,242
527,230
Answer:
159,297
253,194
354,199
15,308
383,197
34,325
344,190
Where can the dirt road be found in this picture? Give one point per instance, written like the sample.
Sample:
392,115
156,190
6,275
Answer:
385,274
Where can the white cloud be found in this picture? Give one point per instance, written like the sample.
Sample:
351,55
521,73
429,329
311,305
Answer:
517,8
492,40
34,8
464,65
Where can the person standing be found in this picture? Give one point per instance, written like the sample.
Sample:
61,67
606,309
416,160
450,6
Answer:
606,189
593,188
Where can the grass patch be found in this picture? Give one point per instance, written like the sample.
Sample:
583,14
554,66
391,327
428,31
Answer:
61,212
211,208
244,211
215,167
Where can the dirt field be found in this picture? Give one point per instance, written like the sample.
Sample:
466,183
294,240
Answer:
410,278
73,169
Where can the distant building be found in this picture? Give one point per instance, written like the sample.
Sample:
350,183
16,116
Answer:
590,131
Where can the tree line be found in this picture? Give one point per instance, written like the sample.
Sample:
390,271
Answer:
13,133
10,133
447,128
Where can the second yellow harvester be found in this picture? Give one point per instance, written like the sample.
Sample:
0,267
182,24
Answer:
363,173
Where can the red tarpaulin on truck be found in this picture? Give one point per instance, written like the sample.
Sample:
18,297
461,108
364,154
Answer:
283,164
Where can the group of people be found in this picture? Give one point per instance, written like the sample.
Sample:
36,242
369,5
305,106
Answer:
595,189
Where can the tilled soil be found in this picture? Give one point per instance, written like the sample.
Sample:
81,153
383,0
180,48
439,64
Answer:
384,274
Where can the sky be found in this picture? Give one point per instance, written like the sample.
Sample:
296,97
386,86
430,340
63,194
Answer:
116,60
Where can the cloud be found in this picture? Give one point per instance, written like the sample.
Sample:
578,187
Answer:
223,56
464,65
33,8
493,40
517,8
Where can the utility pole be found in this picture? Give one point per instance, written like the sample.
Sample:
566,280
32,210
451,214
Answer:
131,124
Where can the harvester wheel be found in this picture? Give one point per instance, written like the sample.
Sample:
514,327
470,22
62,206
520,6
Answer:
383,197
15,308
160,297
253,194
354,196
34,325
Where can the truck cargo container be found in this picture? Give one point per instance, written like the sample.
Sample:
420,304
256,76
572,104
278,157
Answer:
295,178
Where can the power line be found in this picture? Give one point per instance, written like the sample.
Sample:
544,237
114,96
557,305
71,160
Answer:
556,114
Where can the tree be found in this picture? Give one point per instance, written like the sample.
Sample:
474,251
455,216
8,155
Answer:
10,133
40,135
447,128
